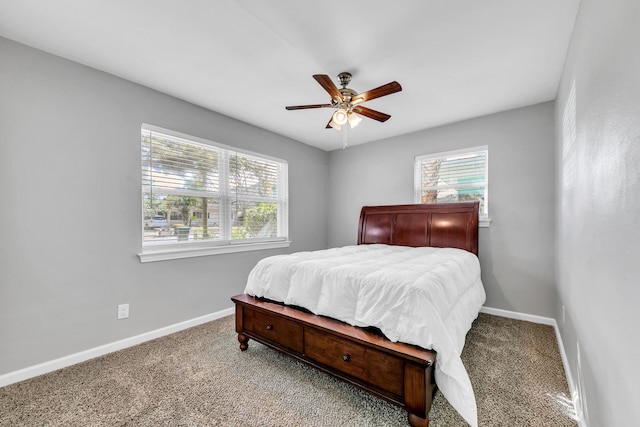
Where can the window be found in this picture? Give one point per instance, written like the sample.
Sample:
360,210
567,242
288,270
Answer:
453,176
201,198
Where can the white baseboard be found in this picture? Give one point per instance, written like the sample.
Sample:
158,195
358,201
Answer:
72,359
567,372
544,321
519,316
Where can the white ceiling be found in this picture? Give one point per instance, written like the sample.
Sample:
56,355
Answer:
248,59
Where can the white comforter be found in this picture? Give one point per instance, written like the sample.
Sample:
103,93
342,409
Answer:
423,296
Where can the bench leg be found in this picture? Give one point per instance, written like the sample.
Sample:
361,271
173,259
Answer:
418,393
416,421
244,341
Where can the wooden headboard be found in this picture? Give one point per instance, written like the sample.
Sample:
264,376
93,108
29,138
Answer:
442,225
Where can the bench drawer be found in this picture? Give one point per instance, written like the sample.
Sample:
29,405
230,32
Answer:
274,329
373,366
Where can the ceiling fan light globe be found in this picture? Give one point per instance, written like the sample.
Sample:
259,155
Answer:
335,125
340,117
354,120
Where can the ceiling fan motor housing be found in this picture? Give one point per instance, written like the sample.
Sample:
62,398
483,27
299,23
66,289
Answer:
345,78
347,94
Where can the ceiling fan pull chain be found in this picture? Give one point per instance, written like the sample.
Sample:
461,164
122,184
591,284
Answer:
344,136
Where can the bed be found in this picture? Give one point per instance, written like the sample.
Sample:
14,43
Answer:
395,342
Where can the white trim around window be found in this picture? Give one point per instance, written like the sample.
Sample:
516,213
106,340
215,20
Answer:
177,252
204,198
454,176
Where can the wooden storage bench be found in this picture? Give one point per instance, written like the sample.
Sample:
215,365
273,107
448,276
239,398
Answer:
396,372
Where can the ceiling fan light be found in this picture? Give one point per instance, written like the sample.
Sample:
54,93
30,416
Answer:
354,120
335,125
340,117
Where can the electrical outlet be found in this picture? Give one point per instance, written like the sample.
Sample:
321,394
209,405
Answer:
123,311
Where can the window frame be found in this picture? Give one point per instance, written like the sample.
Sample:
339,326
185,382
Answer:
483,217
168,250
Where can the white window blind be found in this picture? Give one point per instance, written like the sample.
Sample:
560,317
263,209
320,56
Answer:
197,192
453,176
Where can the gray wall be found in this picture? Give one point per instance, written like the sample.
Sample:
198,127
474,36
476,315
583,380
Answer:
71,205
599,211
69,161
516,252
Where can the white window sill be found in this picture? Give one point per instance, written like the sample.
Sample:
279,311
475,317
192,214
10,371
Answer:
484,222
168,253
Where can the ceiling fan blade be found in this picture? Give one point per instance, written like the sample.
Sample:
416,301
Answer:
328,126
383,90
372,114
306,107
328,85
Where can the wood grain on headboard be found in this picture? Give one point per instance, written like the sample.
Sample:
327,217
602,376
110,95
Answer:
442,225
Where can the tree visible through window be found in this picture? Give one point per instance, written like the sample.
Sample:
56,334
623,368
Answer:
194,191
453,176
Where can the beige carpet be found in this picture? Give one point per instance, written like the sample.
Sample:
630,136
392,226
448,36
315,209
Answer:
199,377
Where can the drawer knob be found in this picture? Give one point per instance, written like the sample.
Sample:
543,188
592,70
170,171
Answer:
269,327
346,357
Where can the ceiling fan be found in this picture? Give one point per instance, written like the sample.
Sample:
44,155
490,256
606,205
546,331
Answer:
347,101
